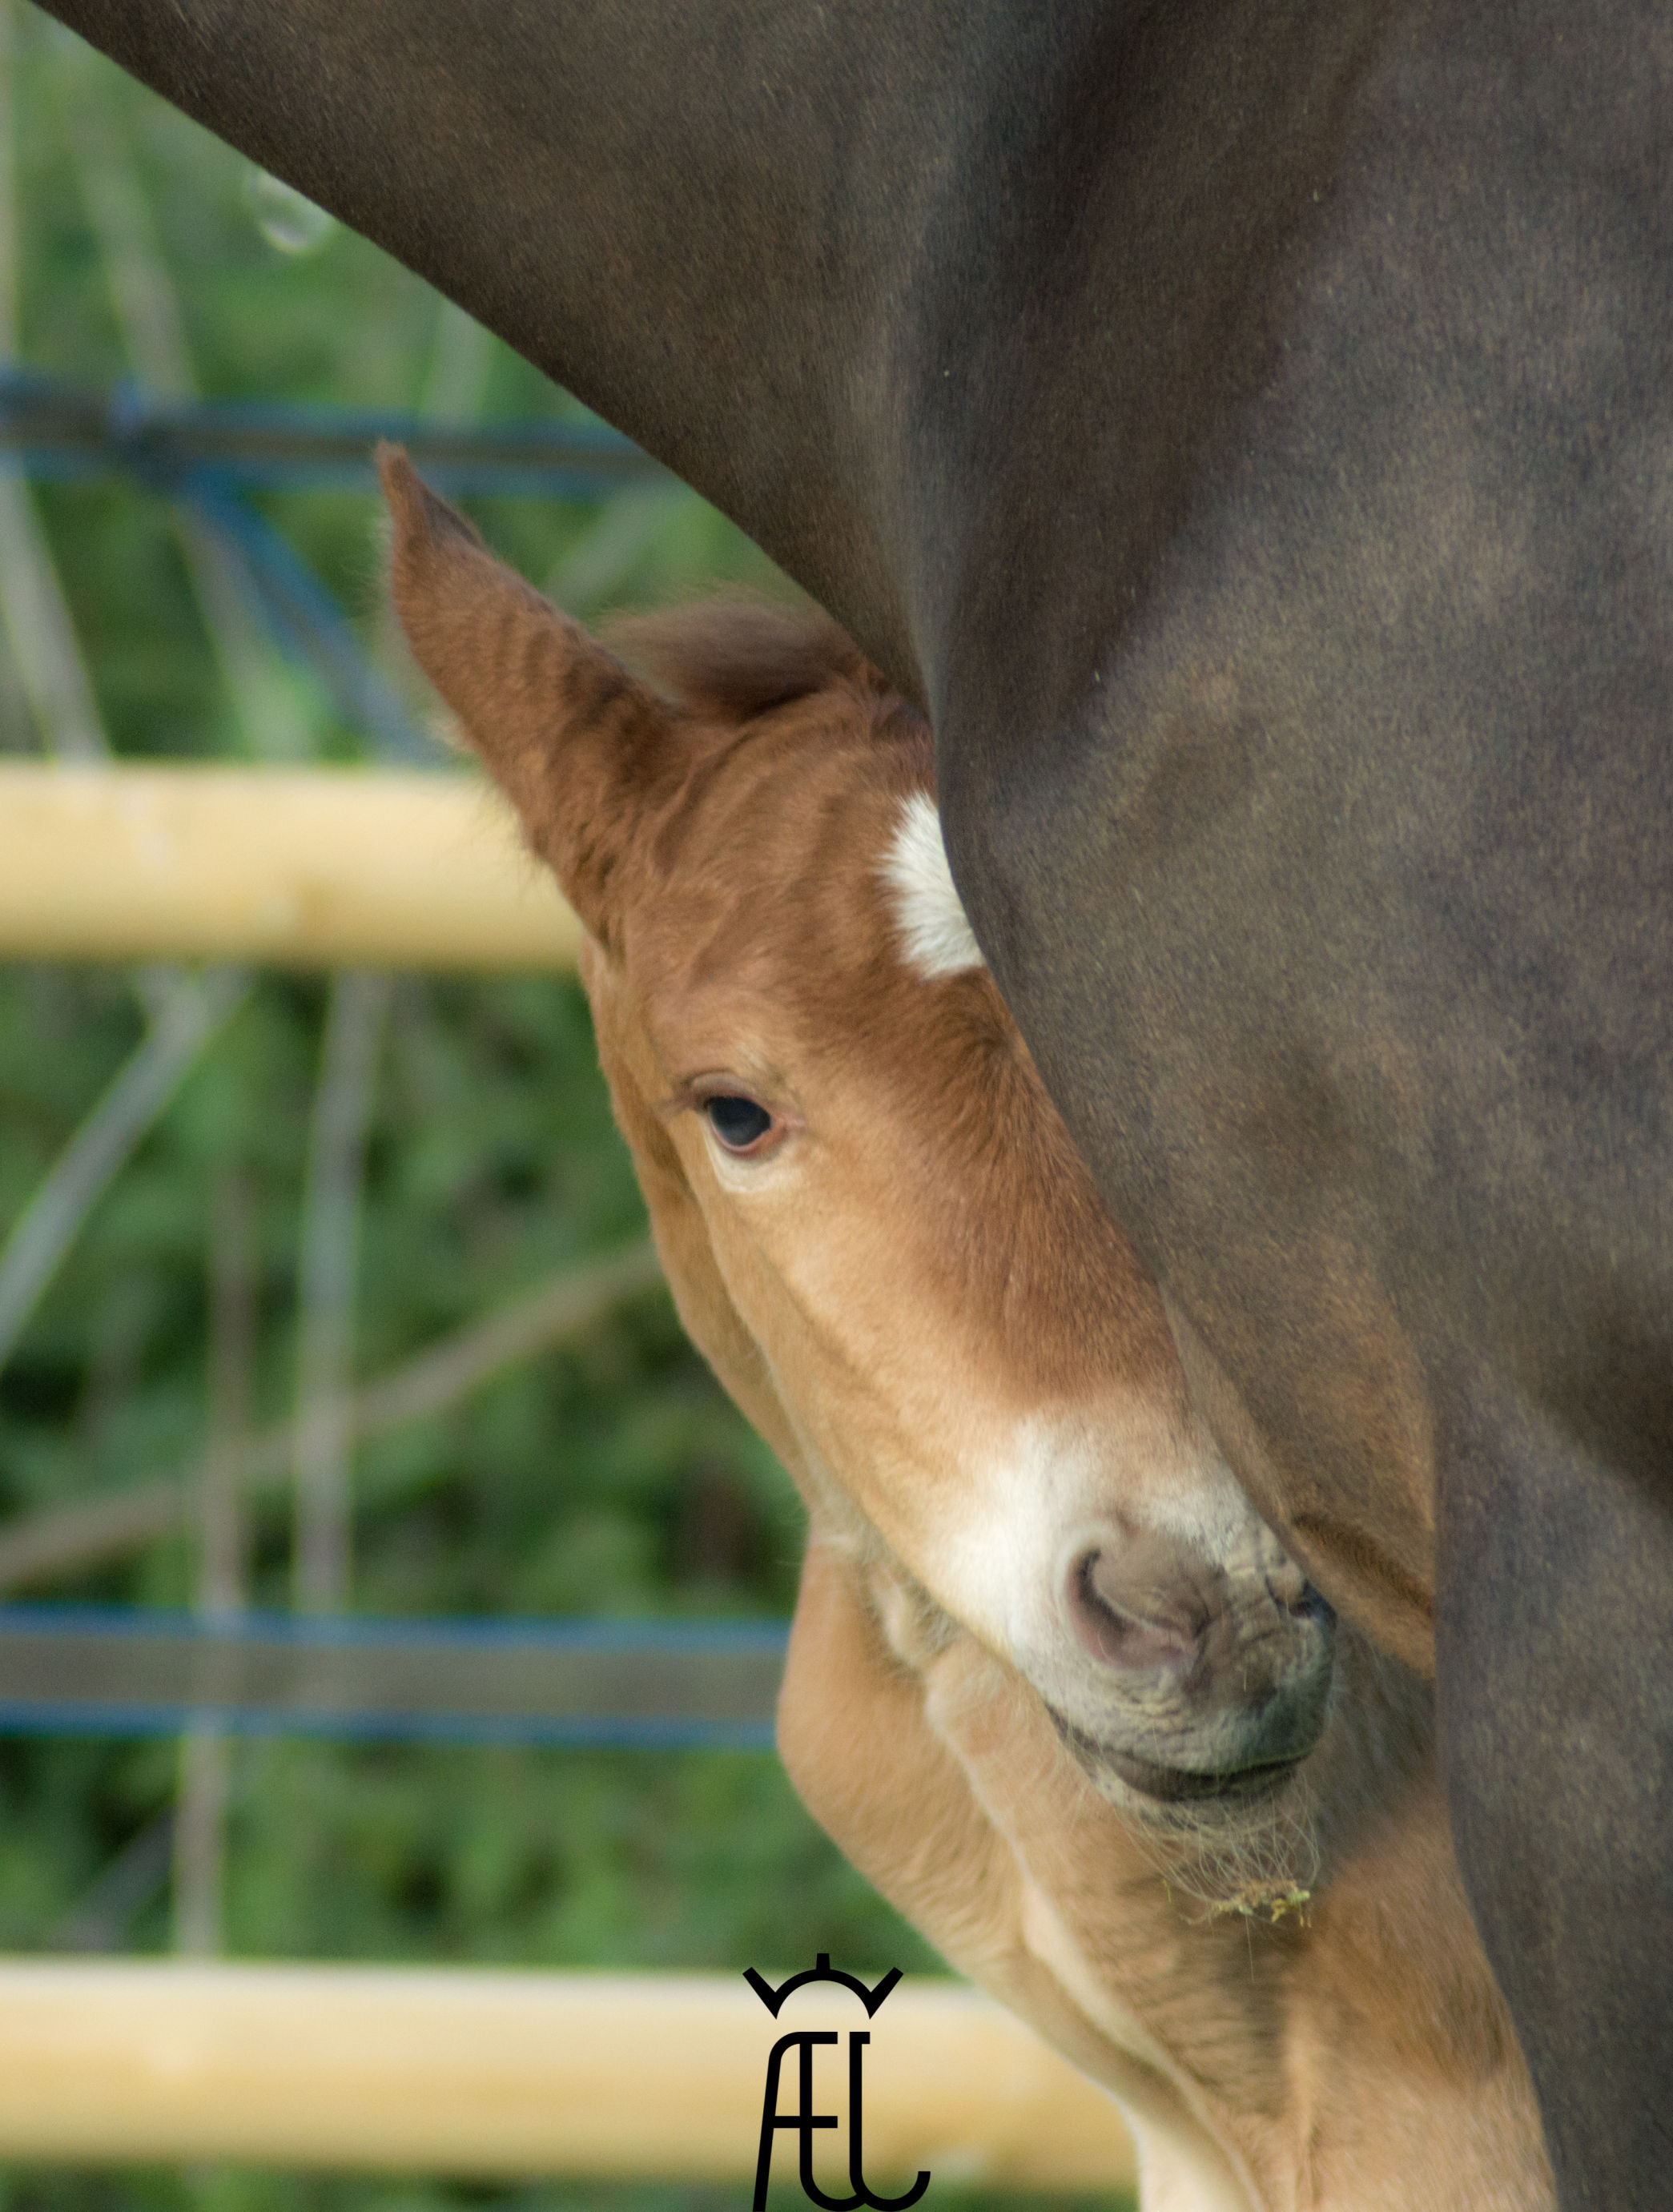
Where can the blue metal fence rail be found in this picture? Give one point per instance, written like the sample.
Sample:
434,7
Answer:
55,428
210,455
81,1670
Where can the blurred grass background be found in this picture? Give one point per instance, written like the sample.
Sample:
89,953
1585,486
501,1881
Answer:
610,1477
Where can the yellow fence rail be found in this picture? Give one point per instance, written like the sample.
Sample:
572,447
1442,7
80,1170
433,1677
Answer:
501,2074
286,868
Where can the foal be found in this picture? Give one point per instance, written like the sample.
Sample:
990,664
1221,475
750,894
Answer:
1053,1683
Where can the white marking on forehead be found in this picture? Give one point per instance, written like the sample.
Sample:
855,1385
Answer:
936,937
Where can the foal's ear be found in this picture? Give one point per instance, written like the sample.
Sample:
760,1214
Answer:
579,746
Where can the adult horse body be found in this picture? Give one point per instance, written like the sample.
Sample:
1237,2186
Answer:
1246,429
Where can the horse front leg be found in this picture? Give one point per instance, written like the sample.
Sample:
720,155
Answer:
1555,1653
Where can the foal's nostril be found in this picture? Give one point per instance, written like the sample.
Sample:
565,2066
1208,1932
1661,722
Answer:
1311,1605
1127,1612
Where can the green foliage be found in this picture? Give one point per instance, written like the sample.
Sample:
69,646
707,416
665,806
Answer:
612,1477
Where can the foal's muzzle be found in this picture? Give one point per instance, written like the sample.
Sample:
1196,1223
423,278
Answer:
1197,1681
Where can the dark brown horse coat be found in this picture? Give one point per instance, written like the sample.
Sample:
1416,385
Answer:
1245,427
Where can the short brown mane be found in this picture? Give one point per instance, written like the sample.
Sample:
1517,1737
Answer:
738,656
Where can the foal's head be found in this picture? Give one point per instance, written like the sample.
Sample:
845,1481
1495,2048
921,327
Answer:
871,1217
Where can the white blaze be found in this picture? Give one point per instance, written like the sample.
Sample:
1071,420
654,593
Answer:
936,937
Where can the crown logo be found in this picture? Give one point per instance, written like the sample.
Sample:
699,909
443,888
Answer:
822,1971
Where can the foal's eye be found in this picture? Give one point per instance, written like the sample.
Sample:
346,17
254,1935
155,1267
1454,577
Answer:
738,1123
